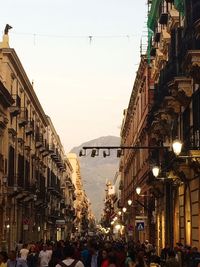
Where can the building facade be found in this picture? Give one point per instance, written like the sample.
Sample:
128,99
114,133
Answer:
82,203
134,164
34,174
175,56
164,106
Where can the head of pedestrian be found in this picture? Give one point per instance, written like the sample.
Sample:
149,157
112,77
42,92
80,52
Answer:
32,248
104,254
68,251
171,253
93,247
44,247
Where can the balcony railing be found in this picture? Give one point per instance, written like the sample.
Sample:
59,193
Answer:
188,42
15,108
196,11
51,148
29,127
192,138
39,140
23,119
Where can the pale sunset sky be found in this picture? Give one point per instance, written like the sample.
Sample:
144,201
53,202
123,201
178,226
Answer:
83,83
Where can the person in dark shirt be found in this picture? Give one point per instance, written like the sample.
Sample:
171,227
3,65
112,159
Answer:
171,261
32,257
13,261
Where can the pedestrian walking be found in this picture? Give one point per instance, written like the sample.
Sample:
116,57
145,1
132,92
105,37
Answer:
69,261
32,258
140,261
3,259
95,257
171,261
105,260
44,257
19,246
13,261
23,253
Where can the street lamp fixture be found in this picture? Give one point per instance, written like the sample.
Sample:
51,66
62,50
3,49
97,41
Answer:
129,202
124,209
82,153
138,190
156,171
106,154
119,153
177,147
120,149
94,153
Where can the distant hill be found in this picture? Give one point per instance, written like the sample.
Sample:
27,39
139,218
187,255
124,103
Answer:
96,171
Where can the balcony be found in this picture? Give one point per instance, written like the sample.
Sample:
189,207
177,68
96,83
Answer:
39,140
51,148
29,127
163,18
46,150
53,154
181,89
23,119
173,20
15,108
196,13
192,63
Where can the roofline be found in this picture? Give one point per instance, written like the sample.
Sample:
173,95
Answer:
10,52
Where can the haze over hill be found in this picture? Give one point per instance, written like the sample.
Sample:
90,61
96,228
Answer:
96,171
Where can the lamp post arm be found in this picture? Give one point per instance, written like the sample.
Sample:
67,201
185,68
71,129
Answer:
124,147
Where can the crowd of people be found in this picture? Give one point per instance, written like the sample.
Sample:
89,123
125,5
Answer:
98,253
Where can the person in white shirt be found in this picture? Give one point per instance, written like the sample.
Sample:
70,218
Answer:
24,252
44,256
69,261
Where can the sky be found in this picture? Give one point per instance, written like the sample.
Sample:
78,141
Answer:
83,83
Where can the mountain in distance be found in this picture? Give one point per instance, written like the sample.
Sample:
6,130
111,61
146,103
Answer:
96,171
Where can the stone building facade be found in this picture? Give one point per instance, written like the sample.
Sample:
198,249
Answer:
134,164
84,217
35,176
171,111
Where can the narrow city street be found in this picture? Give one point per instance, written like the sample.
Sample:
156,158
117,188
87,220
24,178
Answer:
111,176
